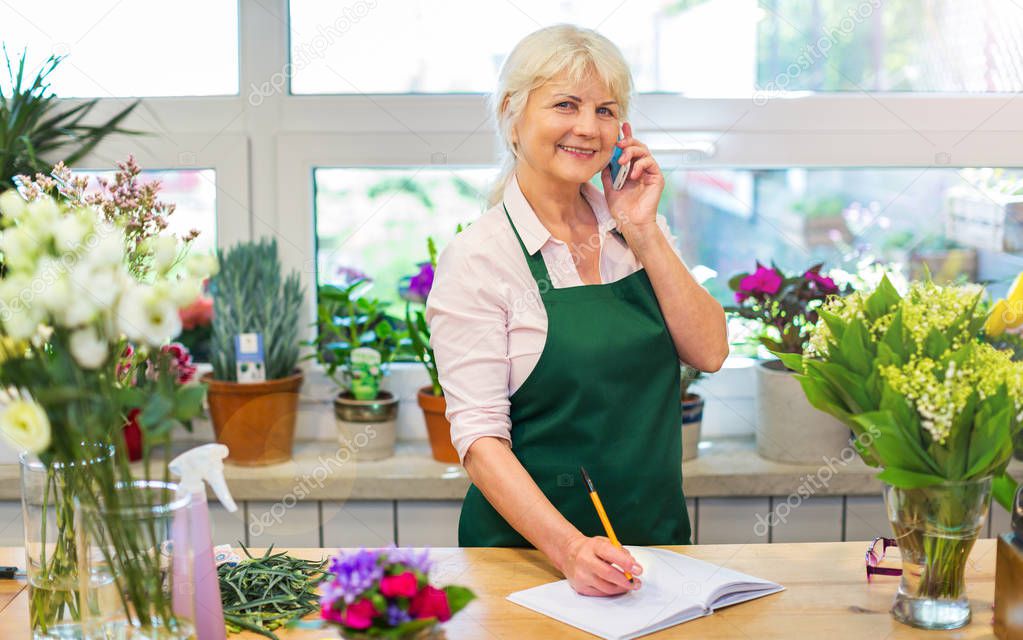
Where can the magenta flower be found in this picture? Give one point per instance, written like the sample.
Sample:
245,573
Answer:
359,615
764,281
824,283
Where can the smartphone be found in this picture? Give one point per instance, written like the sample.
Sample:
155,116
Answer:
619,173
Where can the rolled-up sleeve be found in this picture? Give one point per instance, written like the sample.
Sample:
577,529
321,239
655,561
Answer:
469,336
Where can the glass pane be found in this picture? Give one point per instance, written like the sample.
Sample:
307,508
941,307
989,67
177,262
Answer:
376,221
127,47
701,48
194,194
961,223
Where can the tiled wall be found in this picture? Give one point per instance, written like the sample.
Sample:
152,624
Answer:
435,523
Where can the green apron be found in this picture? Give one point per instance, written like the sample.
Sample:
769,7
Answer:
605,394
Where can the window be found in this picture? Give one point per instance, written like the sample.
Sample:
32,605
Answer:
699,48
126,48
374,222
193,192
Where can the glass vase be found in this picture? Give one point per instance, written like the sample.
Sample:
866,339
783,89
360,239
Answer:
935,528
51,559
135,583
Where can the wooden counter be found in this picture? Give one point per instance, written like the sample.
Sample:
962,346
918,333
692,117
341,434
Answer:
827,595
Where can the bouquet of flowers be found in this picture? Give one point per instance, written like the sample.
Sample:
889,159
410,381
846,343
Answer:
387,594
78,293
784,306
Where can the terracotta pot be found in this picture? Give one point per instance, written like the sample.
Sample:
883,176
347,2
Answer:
256,421
437,425
692,420
368,427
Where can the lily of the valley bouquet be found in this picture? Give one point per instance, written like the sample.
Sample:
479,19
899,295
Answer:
931,404
88,306
386,593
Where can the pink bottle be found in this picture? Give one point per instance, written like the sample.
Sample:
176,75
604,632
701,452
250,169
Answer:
198,467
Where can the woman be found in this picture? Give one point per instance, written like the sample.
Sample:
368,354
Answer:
558,321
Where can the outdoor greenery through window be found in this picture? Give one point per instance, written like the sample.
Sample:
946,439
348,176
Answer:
699,48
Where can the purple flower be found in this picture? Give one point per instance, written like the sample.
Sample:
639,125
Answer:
396,615
763,281
421,283
351,275
353,574
411,559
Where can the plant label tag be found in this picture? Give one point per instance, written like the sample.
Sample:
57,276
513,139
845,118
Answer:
249,361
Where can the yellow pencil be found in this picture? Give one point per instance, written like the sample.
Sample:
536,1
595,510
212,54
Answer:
603,516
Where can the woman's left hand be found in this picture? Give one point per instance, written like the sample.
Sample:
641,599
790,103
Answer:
636,202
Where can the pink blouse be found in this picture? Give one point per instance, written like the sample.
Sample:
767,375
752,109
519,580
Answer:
487,322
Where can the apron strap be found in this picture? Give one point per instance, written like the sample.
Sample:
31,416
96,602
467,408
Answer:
535,261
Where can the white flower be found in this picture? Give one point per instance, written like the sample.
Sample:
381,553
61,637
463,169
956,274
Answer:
107,248
20,312
20,246
94,289
72,229
42,216
23,422
165,252
56,288
184,291
201,265
12,205
145,315
88,349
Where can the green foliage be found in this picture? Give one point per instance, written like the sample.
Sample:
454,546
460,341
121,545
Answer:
35,133
927,400
251,296
345,321
689,376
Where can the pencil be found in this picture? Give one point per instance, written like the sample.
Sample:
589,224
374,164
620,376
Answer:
603,515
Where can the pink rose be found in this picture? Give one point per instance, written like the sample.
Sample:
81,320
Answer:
430,603
403,586
764,280
359,614
330,614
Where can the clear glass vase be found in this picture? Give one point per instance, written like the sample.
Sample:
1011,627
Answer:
134,583
51,559
935,528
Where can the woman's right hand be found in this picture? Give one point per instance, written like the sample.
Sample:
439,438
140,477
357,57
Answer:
587,565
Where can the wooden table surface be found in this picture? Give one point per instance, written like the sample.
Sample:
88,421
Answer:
826,595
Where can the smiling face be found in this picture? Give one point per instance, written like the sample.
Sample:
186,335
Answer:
568,131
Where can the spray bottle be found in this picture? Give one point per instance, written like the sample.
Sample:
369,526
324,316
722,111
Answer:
196,466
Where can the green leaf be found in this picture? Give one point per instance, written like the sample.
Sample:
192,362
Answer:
935,344
856,350
1003,489
188,401
893,447
906,479
793,361
156,411
882,300
894,339
844,384
458,597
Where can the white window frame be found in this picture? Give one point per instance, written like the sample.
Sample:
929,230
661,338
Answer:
264,148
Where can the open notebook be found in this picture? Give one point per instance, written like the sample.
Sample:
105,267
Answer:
676,589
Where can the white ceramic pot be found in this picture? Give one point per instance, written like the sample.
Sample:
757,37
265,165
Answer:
692,419
788,428
368,428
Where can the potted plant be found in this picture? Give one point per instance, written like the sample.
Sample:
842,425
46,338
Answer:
431,397
252,301
788,428
692,413
355,343
35,131
936,409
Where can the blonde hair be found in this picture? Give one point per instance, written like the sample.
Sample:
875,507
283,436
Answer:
534,61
